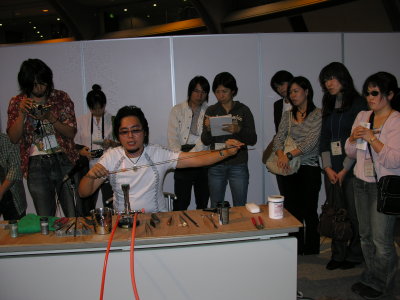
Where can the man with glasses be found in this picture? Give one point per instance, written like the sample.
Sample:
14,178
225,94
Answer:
142,165
42,120
184,134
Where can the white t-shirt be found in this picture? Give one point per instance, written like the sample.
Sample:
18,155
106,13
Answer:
146,183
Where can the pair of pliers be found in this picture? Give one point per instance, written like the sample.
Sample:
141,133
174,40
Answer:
258,226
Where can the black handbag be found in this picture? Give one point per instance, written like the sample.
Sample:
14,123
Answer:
334,221
388,186
389,195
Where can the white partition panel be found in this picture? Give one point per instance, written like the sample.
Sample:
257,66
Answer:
133,72
368,53
210,55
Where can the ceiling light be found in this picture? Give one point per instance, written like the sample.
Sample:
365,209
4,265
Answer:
58,19
45,10
155,4
125,9
34,27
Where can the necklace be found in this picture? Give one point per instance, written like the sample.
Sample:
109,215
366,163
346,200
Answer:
135,163
302,114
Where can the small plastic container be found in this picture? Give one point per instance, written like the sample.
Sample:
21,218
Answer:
275,206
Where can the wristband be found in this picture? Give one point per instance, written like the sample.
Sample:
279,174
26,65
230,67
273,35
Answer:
221,153
371,140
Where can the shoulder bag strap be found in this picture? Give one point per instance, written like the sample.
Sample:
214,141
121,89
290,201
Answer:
371,121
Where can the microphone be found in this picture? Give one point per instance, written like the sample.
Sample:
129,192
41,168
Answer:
78,166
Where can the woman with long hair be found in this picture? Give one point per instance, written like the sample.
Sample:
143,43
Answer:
340,105
301,189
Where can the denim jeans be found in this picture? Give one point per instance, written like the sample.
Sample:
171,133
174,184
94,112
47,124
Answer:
377,238
45,180
238,178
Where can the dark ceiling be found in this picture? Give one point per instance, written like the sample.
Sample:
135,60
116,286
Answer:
39,20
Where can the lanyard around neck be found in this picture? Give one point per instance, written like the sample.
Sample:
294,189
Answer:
91,130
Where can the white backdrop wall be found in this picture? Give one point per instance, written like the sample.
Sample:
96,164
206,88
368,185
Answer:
153,73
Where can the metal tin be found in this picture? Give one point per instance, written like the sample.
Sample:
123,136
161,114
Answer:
44,225
13,227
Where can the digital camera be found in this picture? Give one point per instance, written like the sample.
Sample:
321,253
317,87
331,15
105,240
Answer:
97,153
39,109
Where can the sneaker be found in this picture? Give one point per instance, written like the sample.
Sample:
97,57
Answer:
333,264
347,265
370,293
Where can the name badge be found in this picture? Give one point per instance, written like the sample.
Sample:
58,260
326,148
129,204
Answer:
336,148
49,142
369,170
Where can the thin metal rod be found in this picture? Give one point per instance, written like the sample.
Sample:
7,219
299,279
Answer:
168,161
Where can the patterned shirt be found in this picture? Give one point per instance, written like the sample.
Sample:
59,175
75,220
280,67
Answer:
63,109
306,135
10,170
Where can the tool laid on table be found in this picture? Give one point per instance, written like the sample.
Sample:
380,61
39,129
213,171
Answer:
190,219
209,217
183,222
147,228
155,218
72,227
261,222
169,222
258,226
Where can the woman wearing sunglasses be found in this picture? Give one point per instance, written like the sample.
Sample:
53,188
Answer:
378,127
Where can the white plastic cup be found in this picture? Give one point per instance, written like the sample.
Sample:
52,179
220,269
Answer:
275,206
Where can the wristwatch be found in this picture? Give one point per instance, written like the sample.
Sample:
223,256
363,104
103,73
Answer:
289,155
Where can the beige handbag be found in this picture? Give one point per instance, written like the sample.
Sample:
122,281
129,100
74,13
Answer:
294,164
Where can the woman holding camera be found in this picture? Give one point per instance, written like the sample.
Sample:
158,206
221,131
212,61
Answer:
41,119
93,137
